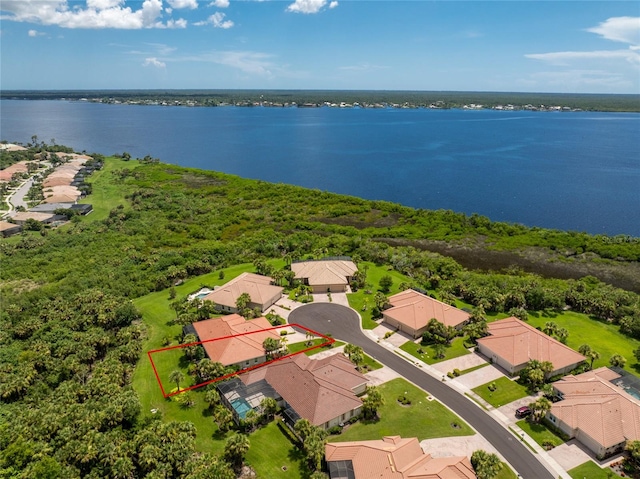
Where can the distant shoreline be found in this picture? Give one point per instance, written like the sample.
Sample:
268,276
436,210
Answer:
554,102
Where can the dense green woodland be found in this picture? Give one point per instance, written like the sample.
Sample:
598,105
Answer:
443,99
70,336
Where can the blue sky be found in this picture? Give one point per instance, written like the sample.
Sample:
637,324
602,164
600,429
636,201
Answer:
539,46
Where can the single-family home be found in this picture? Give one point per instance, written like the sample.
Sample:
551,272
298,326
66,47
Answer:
392,457
599,414
233,340
512,343
326,275
263,294
411,311
324,391
21,217
9,229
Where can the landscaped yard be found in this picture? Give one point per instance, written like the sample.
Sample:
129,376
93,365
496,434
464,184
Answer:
271,450
506,391
506,473
428,354
423,419
589,470
602,337
157,316
540,433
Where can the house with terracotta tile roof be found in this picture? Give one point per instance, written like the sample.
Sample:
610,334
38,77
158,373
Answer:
233,340
263,294
326,275
411,311
512,343
592,409
324,391
392,457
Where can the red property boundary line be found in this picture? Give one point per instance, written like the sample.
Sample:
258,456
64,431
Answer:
226,376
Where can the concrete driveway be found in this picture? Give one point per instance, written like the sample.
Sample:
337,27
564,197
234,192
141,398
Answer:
480,376
570,454
461,362
509,410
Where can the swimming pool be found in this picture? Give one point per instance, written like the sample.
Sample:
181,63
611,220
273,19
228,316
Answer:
241,407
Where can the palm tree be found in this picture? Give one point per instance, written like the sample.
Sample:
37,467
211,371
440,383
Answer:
177,377
617,360
539,408
222,417
357,358
550,328
486,465
372,402
235,448
269,407
212,397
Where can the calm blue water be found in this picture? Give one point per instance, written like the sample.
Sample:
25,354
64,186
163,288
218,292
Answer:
573,171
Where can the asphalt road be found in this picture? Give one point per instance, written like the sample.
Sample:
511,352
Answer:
343,323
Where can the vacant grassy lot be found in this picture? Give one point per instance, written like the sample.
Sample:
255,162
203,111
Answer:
106,194
423,419
506,391
602,337
540,433
428,354
359,299
589,470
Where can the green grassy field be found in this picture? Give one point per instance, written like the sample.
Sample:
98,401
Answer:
360,298
423,419
507,391
540,433
107,194
602,337
455,350
590,470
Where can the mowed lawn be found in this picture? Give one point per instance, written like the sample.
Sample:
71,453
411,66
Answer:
271,451
423,419
540,433
590,470
602,337
428,355
506,391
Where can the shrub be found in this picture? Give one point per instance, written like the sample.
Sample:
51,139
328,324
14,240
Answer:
388,334
402,399
450,375
492,387
456,372
335,430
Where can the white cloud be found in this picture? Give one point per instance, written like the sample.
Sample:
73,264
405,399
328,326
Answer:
35,33
97,14
581,80
178,4
153,62
217,20
565,58
363,67
219,3
619,29
309,6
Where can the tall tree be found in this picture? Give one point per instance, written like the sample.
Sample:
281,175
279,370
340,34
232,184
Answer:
235,448
618,360
486,465
372,402
539,408
177,377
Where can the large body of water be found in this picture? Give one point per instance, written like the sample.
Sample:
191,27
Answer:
572,171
